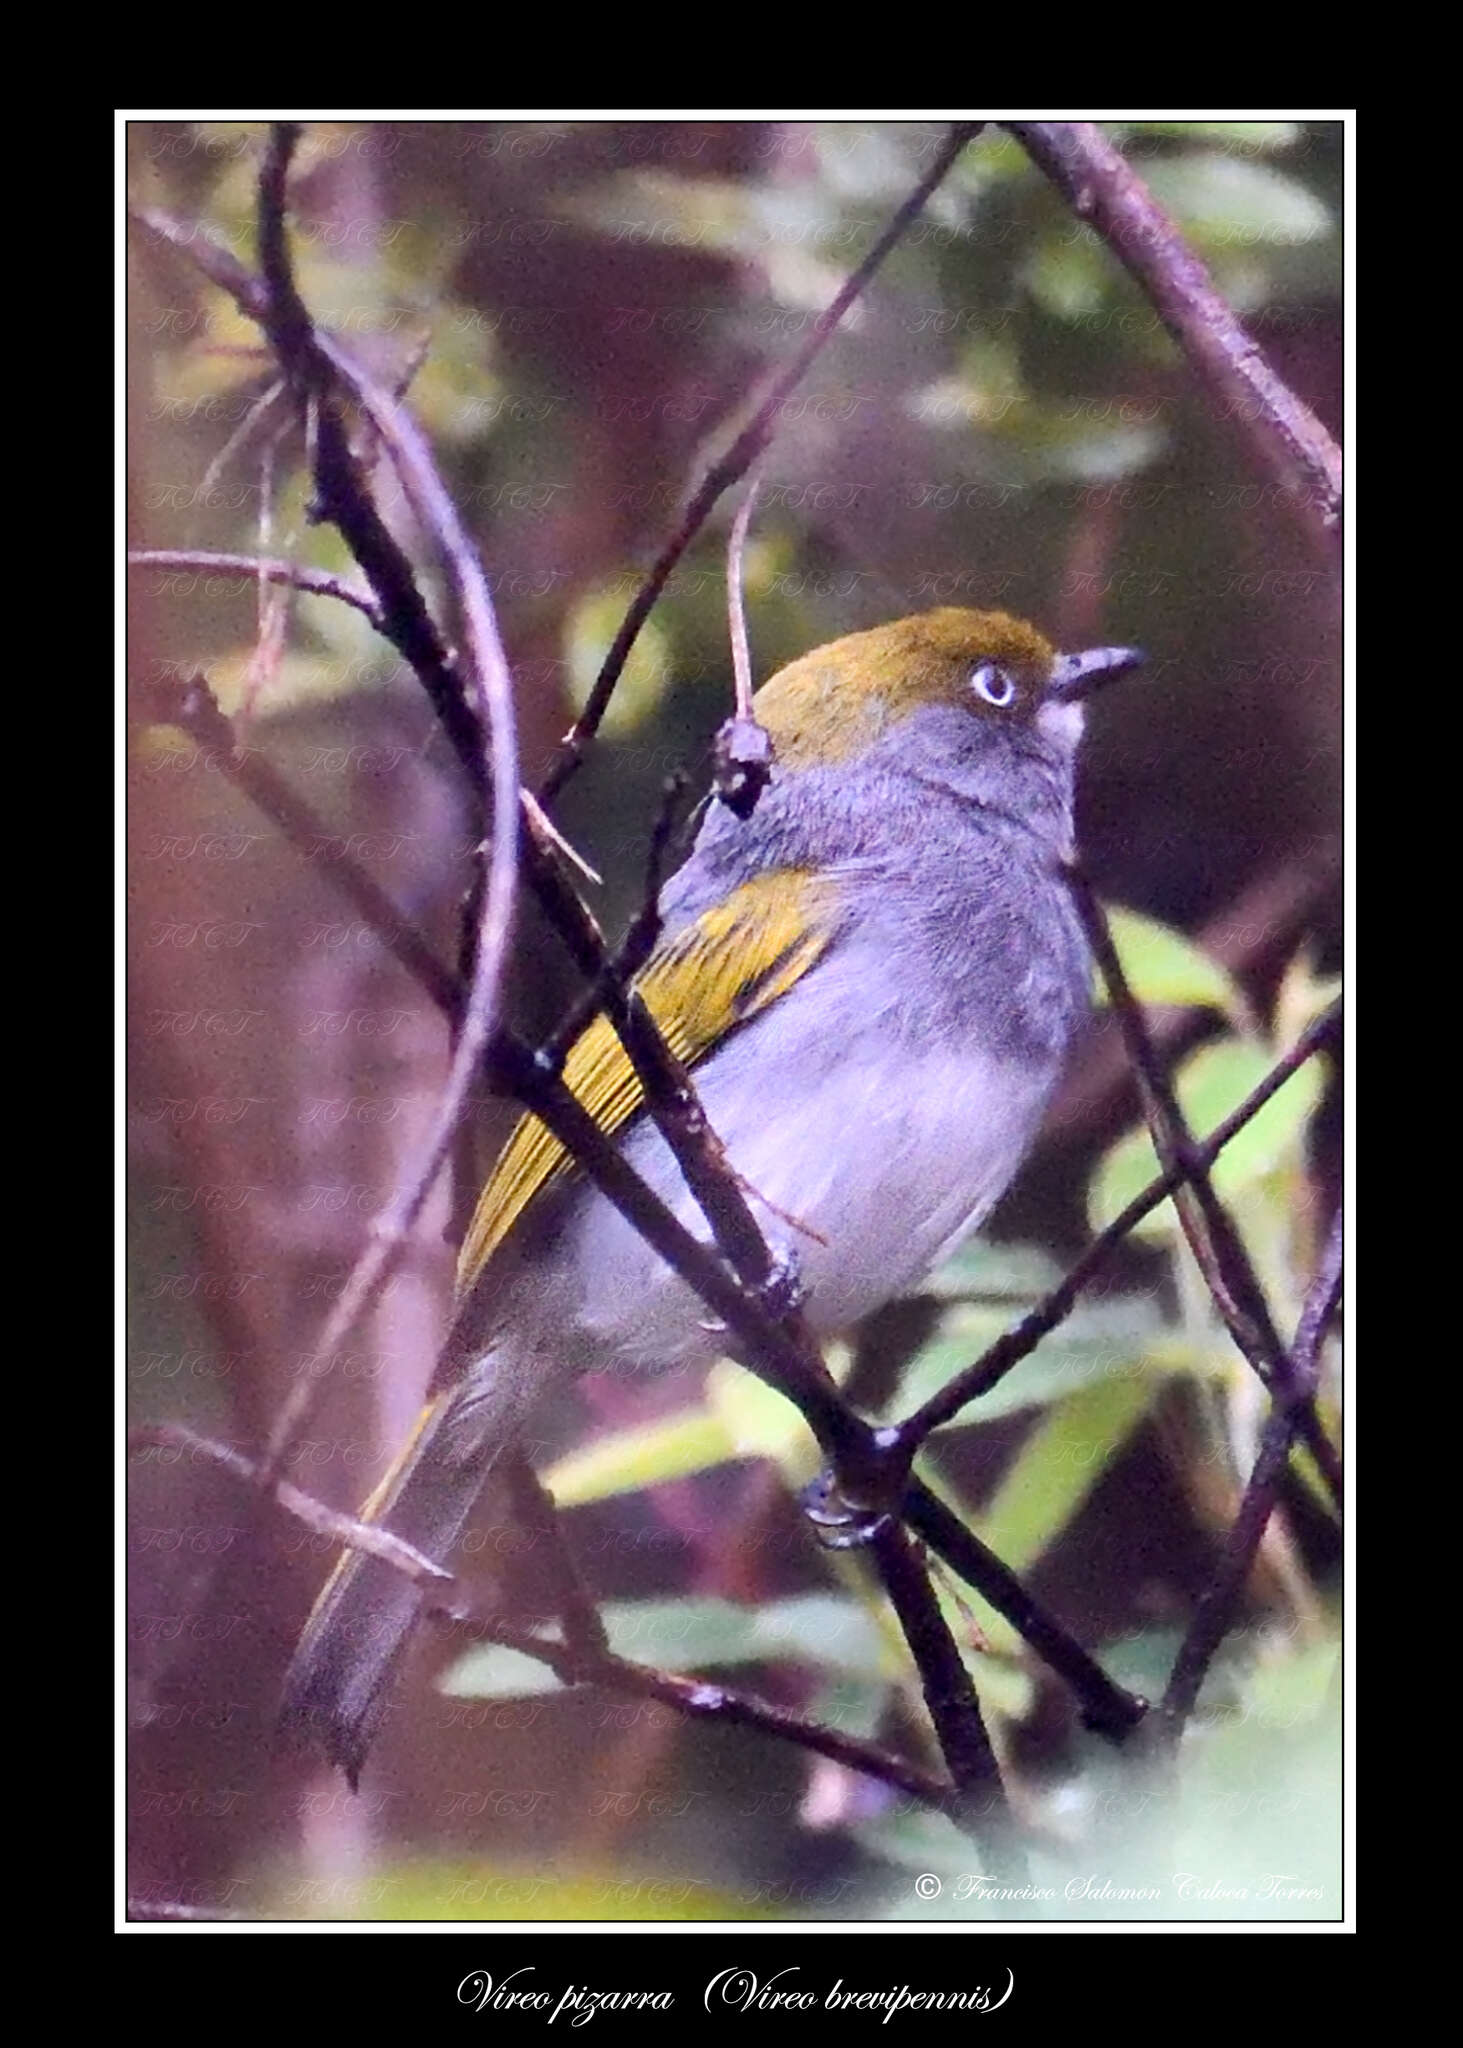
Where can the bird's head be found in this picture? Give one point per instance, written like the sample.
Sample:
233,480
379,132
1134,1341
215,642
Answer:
833,704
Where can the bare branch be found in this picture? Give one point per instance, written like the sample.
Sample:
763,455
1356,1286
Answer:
370,1537
1106,192
1008,1350
739,458
257,569
1217,1247
310,368
701,1699
950,1700
736,607
742,758
193,708
1215,1610
1106,1707
639,941
204,250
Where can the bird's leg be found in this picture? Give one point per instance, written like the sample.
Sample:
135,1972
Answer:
783,1290
838,1522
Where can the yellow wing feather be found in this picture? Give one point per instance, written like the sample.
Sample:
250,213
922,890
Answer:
698,987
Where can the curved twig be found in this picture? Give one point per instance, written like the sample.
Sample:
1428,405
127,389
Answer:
257,569
311,365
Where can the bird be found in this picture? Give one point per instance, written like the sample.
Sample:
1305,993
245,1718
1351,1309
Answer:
875,977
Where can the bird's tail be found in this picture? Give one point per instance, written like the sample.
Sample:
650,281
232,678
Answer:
338,1682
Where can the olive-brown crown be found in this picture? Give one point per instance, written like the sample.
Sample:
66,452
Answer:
835,701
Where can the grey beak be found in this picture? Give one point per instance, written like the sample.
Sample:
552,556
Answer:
1075,676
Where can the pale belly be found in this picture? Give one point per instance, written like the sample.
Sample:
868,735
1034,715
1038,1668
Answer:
885,1156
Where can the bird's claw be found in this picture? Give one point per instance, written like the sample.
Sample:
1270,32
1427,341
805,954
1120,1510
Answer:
841,1524
783,1291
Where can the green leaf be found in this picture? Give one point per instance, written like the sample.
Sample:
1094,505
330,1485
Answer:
588,636
821,1629
1224,201
1210,1085
1162,966
1289,1690
1247,138
1099,1340
1070,276
493,1672
986,1271
629,1460
760,1422
479,1890
1059,1464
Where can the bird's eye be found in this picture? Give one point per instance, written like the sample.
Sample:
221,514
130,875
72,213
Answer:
994,685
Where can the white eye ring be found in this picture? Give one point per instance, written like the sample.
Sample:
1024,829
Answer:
994,685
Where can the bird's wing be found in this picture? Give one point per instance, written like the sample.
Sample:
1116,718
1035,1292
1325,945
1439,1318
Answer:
710,978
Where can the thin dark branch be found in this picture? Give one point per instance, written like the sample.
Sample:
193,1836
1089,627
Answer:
701,1699
739,458
1251,936
371,1537
950,1699
1106,1707
407,623
257,569
1315,1316
343,496
487,661
192,707
1217,1246
639,941
1106,192
206,253
674,1107
769,1350
310,371
1018,1342
568,1596
1216,1607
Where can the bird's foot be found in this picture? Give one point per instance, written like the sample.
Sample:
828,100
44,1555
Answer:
780,1293
784,1290
841,1524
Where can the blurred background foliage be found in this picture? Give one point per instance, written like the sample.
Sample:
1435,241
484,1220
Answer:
579,312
